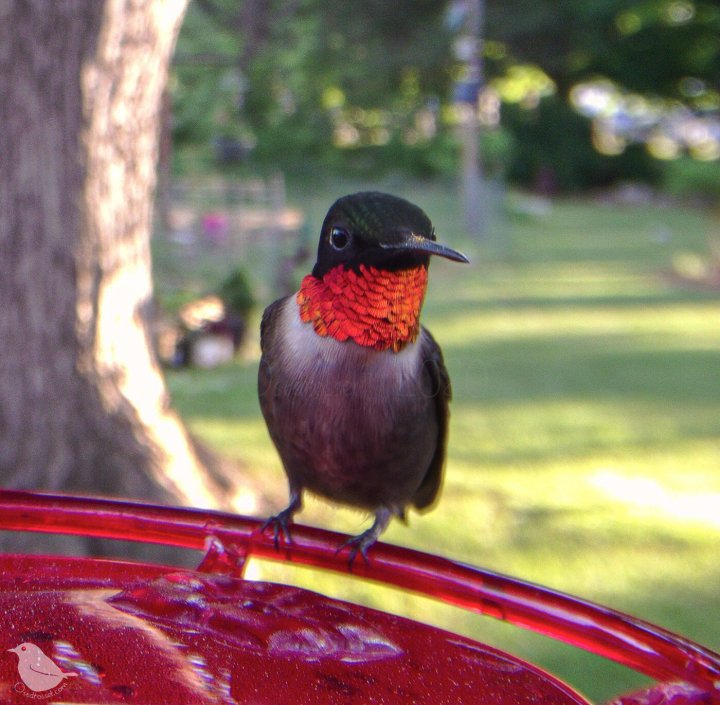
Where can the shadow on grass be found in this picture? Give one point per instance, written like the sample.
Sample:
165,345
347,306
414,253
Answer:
577,367
652,300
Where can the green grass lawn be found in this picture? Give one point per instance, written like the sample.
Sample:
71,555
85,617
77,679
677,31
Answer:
585,436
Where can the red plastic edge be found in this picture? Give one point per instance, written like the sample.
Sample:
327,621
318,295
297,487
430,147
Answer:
230,539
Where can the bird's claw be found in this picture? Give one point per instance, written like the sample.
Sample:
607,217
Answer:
280,521
279,524
363,542
358,544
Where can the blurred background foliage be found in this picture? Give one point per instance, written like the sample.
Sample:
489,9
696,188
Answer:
575,95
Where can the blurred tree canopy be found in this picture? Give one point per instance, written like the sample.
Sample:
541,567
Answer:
295,81
649,46
371,85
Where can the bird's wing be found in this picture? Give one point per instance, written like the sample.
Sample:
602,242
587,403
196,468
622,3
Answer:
265,377
266,327
439,382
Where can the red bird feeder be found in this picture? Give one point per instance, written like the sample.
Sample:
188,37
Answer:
91,630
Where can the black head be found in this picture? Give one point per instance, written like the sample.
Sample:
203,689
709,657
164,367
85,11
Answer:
377,229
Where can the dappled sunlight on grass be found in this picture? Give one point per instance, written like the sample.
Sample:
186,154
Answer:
554,430
246,440
585,430
650,326
647,497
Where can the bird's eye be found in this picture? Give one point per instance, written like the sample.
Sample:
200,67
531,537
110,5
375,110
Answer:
339,238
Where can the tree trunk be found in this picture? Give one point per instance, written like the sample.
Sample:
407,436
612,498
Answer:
83,405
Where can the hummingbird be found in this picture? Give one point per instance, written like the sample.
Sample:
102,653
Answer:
354,391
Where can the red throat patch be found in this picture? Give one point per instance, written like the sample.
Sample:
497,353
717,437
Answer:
373,307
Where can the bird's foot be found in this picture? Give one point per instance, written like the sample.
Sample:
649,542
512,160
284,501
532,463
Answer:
280,521
363,542
359,544
280,525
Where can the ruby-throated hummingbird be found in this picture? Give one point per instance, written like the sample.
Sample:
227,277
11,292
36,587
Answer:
353,389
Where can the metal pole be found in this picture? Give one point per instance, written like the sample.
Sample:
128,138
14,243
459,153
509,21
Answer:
473,192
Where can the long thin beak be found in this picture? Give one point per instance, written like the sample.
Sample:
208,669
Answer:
424,244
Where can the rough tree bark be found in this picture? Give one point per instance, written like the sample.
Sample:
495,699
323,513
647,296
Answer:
83,405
